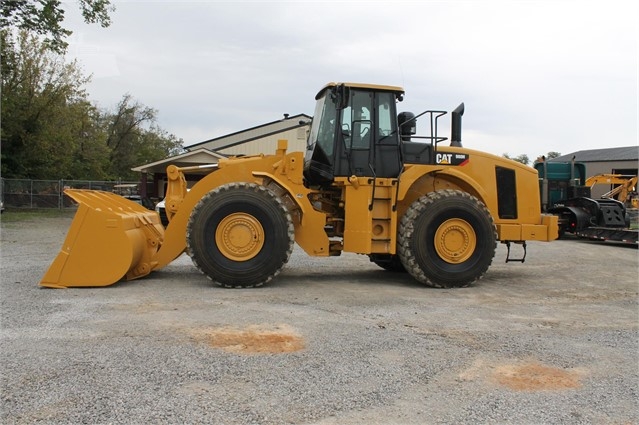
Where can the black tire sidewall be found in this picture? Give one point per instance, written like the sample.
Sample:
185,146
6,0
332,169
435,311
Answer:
248,199
435,210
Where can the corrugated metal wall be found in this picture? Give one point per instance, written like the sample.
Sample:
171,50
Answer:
296,142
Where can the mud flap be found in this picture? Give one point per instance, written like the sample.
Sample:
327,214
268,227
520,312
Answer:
110,238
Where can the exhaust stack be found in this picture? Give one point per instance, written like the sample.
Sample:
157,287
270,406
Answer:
455,131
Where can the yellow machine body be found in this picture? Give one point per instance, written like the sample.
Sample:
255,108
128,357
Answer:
112,238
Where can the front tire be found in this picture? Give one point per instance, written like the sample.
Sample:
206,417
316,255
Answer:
447,239
240,235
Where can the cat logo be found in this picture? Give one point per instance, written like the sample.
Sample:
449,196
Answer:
443,158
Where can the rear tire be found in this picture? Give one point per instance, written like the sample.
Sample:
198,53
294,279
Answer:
447,239
240,235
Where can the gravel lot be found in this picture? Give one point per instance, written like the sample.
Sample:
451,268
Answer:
330,341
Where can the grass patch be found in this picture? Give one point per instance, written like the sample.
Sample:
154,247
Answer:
12,216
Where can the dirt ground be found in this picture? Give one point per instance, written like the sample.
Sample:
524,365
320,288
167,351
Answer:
329,341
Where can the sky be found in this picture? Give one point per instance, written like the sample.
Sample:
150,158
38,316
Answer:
535,76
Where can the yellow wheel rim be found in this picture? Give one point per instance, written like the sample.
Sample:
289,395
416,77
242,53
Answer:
239,237
455,241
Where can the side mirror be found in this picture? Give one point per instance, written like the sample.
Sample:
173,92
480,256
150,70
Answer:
341,95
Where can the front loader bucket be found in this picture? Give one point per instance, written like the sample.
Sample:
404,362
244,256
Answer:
110,238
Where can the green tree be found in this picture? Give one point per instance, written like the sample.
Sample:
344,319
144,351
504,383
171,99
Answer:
90,158
44,18
523,158
549,155
133,138
41,99
50,130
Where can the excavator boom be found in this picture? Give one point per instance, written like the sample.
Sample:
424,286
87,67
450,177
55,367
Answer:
625,185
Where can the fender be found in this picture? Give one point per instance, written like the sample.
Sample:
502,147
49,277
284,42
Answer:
415,172
309,223
229,171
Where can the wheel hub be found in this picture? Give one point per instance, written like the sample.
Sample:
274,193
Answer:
239,236
455,241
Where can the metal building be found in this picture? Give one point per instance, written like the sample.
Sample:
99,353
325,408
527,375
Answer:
260,139
622,160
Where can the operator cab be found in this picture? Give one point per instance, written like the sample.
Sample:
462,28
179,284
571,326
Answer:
354,133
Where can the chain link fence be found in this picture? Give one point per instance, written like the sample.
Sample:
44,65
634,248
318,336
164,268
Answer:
18,193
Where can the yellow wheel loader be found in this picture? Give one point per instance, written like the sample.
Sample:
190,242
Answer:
367,184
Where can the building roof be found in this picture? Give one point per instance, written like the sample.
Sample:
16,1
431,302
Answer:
254,133
629,153
195,157
205,152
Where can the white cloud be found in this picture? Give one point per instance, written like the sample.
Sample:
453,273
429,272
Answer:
535,76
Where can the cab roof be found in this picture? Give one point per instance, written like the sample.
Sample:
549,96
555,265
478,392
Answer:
376,87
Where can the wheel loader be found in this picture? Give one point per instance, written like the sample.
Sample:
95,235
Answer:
367,184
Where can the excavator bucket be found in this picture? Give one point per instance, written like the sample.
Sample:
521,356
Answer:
110,238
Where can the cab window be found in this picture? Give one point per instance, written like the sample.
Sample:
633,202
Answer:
356,121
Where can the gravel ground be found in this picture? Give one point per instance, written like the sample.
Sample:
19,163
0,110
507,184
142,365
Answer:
329,341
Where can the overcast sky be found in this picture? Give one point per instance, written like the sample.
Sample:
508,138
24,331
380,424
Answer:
535,76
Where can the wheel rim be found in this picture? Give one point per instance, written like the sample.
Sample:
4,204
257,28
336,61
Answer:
455,241
239,237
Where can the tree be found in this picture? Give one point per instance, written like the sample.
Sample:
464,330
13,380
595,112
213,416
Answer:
523,158
44,18
90,158
133,138
549,155
50,130
42,98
